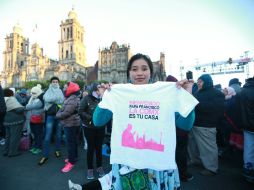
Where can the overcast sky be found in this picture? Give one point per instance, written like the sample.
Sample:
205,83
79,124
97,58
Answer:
210,30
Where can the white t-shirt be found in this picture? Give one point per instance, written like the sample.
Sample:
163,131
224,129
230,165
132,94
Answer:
143,132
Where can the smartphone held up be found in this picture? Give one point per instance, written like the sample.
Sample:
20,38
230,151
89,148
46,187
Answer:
189,75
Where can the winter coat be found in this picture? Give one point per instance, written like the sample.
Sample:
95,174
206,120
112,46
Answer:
211,105
86,110
247,105
232,112
15,112
53,95
35,106
2,105
23,100
68,113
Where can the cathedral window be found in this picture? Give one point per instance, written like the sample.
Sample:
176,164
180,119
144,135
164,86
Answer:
26,48
21,63
71,32
67,54
68,33
71,52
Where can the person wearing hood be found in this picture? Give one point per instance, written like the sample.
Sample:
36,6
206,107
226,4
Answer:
2,114
247,113
202,138
70,120
36,111
94,136
22,97
235,84
53,99
13,122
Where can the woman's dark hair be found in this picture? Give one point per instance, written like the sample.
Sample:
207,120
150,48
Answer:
140,56
8,92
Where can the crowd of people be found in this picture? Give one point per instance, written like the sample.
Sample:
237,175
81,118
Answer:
173,123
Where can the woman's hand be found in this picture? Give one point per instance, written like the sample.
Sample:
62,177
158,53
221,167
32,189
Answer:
85,93
103,87
186,84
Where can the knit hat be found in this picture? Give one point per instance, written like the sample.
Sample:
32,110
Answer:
72,88
36,91
234,81
171,78
208,81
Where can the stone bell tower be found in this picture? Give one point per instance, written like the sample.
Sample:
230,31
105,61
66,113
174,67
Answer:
15,54
71,44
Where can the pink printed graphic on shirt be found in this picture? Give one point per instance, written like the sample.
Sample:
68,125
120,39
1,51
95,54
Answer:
133,140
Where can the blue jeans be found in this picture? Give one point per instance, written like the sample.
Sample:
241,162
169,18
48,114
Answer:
72,146
50,123
248,153
37,130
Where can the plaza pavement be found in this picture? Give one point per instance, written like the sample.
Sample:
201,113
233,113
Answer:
23,173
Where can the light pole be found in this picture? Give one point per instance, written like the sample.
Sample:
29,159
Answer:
197,66
181,69
246,53
247,65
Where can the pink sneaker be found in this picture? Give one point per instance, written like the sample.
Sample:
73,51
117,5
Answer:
68,166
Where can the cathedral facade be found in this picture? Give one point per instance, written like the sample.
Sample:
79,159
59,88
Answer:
21,66
113,61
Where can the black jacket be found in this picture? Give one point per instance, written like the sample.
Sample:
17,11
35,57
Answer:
2,105
247,105
210,107
86,109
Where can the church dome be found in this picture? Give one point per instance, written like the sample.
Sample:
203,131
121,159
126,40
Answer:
17,29
72,14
